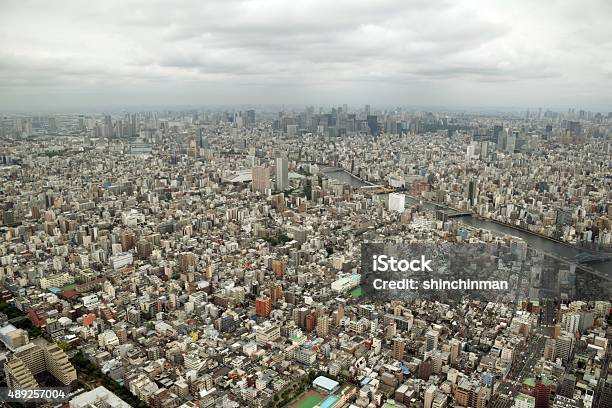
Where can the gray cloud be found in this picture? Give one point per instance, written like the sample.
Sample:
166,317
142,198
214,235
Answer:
396,51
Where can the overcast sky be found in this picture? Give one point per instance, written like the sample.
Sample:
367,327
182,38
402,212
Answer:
59,55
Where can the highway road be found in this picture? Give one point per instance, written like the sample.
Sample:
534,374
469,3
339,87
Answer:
522,367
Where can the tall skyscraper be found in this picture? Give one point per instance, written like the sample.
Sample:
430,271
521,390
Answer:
108,126
261,179
282,173
250,118
472,192
373,124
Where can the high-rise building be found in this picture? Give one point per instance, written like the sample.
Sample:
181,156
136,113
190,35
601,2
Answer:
399,347
431,340
261,179
429,396
373,125
567,385
276,293
323,326
278,267
52,125
542,393
605,394
564,346
250,118
310,323
263,306
472,192
511,142
455,351
571,322
282,174
397,202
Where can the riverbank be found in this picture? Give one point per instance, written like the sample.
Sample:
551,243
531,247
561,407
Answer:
534,240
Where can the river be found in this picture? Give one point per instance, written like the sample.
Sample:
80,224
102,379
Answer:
539,243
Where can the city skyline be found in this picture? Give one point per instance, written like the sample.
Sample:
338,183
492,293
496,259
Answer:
59,57
306,204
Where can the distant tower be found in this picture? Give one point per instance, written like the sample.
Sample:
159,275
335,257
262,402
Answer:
373,125
52,125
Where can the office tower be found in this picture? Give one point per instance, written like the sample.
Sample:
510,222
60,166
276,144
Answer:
472,192
282,174
567,385
250,118
399,347
473,151
263,306
397,202
574,129
202,138
108,126
261,179
563,347
52,125
292,130
373,125
502,139
511,142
